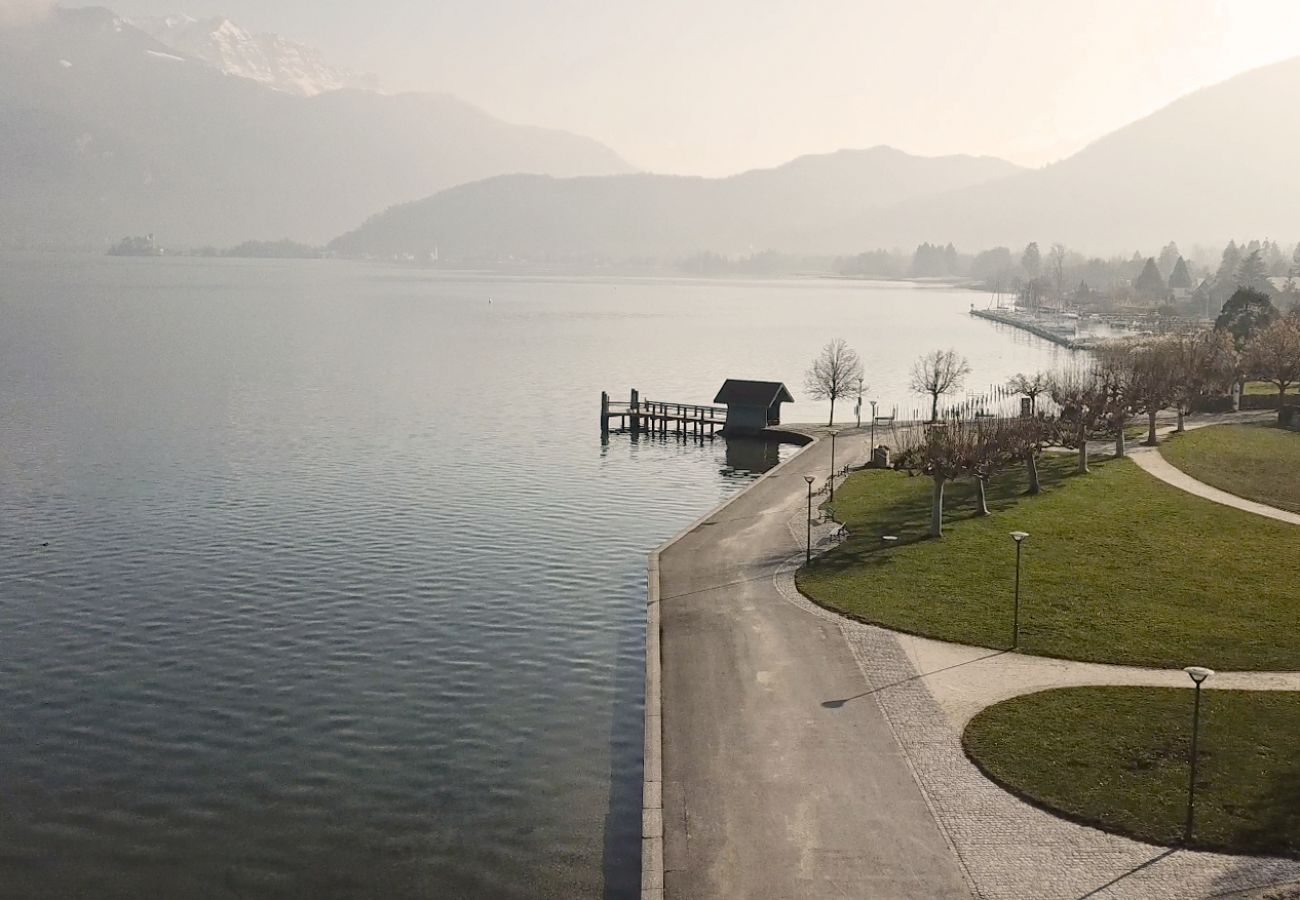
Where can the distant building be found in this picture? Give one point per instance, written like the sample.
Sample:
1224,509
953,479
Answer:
752,405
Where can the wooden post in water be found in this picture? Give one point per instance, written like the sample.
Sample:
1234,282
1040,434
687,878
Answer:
634,416
604,414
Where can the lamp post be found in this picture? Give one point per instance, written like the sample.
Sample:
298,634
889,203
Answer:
807,556
1198,674
832,481
873,427
1019,538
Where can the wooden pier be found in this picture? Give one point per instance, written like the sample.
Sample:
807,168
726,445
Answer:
637,417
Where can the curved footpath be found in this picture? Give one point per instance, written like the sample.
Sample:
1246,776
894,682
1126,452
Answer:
806,755
1150,460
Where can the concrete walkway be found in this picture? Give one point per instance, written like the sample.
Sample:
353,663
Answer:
767,791
1009,850
806,755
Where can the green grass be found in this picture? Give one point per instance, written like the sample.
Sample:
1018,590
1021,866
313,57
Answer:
1262,388
1117,757
1259,462
1119,568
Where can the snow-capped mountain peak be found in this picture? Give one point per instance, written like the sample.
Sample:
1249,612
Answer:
272,60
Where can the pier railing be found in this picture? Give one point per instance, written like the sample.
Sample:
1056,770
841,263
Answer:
640,416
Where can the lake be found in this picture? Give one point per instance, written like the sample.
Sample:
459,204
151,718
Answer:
319,582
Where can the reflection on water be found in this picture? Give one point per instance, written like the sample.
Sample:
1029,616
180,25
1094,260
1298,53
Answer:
747,456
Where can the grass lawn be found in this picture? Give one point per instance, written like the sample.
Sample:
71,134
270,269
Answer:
1119,568
1117,757
1259,462
1263,388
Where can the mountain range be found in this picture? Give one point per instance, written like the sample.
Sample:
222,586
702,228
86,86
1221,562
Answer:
1216,164
646,216
268,59
105,131
204,133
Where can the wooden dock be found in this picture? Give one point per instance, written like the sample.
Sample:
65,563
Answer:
637,417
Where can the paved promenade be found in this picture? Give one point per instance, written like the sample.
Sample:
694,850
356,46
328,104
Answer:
768,791
805,755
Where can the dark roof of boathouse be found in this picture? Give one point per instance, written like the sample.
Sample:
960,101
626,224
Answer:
739,392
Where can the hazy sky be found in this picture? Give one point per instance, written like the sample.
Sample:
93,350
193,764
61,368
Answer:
717,86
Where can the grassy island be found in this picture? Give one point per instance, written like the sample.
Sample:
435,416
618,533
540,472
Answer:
1116,757
1119,568
1260,462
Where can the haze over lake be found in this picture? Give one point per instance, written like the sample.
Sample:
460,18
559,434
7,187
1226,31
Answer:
319,581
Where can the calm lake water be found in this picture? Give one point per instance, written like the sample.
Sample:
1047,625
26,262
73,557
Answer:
317,580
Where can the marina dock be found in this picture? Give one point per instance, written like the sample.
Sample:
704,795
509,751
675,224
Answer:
637,416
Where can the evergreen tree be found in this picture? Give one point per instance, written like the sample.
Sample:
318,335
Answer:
1229,264
1225,278
1253,274
1169,257
950,261
1295,262
1137,262
1032,260
1181,278
1150,282
1246,313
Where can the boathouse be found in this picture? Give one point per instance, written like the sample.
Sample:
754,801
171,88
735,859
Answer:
752,405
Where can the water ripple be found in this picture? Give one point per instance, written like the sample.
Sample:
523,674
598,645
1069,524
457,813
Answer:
319,582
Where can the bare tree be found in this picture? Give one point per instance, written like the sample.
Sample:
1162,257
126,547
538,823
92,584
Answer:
1030,386
937,373
1027,437
835,373
1153,382
1056,265
1204,362
1274,356
1084,400
943,451
1114,368
993,446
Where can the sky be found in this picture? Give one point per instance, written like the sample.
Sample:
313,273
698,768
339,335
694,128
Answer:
712,87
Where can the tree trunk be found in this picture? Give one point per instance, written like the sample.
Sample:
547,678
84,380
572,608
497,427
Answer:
1151,428
982,495
1120,450
934,408
1180,429
832,421
1236,396
1083,456
1031,462
1281,404
936,509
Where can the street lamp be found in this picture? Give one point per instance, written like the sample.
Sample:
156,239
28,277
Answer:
1198,674
1019,538
807,556
832,481
873,429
